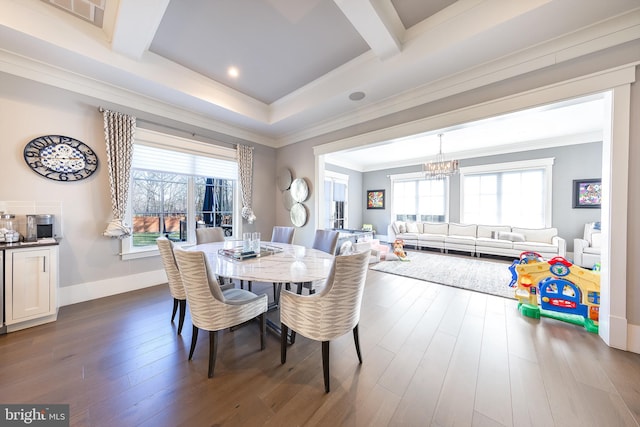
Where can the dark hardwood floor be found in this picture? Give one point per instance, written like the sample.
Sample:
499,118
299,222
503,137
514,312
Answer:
433,355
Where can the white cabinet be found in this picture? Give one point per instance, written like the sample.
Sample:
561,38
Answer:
31,286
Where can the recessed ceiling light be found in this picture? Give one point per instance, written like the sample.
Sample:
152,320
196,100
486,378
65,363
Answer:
357,96
233,72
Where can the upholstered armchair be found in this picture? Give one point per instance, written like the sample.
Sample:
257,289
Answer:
280,235
325,241
330,313
586,251
209,235
176,289
213,309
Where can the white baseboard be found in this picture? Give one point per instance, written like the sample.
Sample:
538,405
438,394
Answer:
633,338
103,288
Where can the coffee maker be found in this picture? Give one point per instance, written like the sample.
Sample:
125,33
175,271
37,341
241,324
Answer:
39,227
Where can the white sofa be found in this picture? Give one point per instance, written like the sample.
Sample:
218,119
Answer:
586,251
476,239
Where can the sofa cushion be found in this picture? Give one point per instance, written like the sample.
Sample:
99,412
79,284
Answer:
542,235
461,240
462,230
493,243
408,236
488,230
596,240
431,237
412,227
534,246
512,237
435,228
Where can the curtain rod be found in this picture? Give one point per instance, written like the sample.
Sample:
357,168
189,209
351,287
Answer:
193,134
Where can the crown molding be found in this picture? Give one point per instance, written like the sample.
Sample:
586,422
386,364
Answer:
20,66
603,35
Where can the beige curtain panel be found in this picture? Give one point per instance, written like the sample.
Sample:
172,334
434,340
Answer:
119,133
245,166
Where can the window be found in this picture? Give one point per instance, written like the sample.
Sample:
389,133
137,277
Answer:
415,198
516,194
173,191
335,199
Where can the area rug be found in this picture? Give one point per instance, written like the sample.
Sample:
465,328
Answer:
487,276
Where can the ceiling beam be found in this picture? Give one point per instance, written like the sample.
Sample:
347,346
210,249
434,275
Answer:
135,26
377,22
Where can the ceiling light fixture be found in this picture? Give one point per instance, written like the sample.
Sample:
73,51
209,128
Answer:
440,168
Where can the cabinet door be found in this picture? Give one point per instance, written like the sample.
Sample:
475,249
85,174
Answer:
31,279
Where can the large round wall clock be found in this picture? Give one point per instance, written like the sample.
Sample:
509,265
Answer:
60,158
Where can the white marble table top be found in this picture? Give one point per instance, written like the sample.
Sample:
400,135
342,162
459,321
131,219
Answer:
293,265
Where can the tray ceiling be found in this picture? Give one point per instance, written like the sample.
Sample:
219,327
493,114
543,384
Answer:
297,62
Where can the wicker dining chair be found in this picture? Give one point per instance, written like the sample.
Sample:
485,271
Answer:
176,289
212,308
330,313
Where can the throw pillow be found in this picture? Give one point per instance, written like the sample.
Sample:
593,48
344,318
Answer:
397,227
514,237
403,227
412,227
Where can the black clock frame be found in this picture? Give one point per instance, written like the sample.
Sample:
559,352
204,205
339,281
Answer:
32,156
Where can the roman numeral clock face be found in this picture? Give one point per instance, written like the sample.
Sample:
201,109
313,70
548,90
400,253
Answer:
60,158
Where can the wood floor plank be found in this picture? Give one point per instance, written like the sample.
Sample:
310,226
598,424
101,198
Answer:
457,398
529,403
418,403
493,389
432,355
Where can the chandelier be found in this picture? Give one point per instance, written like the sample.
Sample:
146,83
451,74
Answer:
440,168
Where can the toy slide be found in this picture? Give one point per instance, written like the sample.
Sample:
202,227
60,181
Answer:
556,289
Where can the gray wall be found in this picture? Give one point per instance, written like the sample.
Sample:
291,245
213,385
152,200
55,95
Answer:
570,162
29,109
582,66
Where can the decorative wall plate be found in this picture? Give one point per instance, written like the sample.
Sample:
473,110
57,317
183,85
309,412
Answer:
284,179
287,200
299,190
60,158
298,215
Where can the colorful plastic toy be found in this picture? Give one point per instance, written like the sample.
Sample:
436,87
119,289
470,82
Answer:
556,289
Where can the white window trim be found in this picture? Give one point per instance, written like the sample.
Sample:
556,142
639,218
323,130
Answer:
176,143
412,176
342,179
544,163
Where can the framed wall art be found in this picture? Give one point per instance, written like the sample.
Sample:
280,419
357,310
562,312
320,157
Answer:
587,193
375,199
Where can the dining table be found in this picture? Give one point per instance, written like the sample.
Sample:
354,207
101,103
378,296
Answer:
278,263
